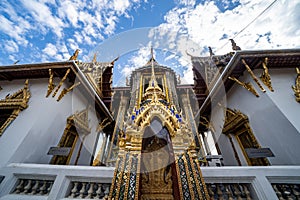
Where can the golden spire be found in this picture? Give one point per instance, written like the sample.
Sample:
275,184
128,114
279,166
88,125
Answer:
153,79
153,90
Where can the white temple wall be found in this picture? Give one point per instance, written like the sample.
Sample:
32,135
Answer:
273,117
41,125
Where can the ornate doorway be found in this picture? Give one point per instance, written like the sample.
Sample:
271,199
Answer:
157,164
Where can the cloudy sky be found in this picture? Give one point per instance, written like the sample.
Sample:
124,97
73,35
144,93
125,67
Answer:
51,30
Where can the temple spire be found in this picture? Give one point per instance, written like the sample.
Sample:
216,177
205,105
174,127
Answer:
153,79
153,89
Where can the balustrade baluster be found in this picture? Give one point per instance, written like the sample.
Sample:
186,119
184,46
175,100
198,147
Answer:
247,192
106,191
74,190
229,192
82,191
49,187
27,187
219,192
278,193
90,191
296,191
210,192
35,187
99,191
43,187
237,192
20,186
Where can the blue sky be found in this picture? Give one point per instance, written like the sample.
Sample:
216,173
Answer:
51,30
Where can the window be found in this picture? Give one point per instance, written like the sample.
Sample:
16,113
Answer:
68,139
77,123
237,124
12,105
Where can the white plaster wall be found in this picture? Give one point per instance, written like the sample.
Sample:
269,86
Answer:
274,116
41,125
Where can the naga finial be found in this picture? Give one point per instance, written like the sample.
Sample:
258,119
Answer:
234,46
75,55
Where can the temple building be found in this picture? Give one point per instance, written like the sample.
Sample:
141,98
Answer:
66,133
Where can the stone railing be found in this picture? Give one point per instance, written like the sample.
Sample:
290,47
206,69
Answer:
229,190
41,182
33,187
35,181
88,190
287,191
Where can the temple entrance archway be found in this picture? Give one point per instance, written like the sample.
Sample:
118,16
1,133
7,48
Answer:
158,172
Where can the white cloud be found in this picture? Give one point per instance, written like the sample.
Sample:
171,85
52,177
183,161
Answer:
69,10
43,15
72,44
11,46
206,25
185,2
57,52
9,28
137,60
50,50
12,58
90,21
120,6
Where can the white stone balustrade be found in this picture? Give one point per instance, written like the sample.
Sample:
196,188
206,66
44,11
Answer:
33,187
86,182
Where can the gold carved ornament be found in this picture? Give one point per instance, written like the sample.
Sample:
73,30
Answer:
248,86
253,76
65,91
296,87
61,82
265,76
16,102
51,85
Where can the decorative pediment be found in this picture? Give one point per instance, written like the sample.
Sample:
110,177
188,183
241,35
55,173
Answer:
18,100
169,116
234,119
81,121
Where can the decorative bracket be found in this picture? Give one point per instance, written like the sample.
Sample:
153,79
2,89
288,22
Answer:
296,88
247,86
265,76
61,82
51,85
65,91
253,76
